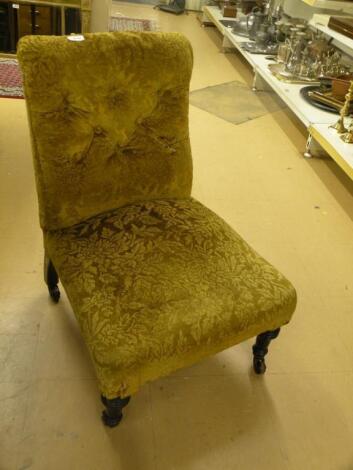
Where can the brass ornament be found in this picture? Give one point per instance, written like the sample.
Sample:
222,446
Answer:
339,126
348,136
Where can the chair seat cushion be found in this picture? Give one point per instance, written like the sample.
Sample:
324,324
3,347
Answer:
158,285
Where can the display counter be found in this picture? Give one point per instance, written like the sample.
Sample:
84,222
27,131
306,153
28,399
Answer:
315,120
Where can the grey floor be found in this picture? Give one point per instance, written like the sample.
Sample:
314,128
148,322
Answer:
235,102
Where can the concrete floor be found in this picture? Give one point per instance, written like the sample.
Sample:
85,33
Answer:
216,415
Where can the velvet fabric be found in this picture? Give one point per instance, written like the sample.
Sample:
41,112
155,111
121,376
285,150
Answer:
109,121
156,280
158,285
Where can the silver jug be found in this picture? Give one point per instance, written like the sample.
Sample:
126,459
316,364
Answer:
262,36
253,23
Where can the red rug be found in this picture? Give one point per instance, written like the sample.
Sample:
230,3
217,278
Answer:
10,79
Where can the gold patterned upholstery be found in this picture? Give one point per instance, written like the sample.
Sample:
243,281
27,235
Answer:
109,121
158,285
156,280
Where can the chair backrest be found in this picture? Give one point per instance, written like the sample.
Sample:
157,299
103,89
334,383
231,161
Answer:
108,119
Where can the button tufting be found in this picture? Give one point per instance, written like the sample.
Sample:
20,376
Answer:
98,130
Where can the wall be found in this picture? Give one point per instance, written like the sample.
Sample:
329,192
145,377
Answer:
195,4
69,2
299,9
100,15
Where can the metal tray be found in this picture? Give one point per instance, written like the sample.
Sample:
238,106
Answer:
254,48
228,23
325,107
278,70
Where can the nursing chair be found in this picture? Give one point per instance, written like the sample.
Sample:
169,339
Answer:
156,280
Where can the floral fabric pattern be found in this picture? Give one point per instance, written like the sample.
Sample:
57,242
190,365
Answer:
109,121
156,280
158,285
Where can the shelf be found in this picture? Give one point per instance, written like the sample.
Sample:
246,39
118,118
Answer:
215,15
330,5
290,93
330,141
316,120
339,38
48,3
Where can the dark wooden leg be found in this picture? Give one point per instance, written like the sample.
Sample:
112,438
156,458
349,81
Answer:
113,413
260,349
51,279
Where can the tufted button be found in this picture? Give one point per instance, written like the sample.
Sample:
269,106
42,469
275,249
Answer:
98,130
119,98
